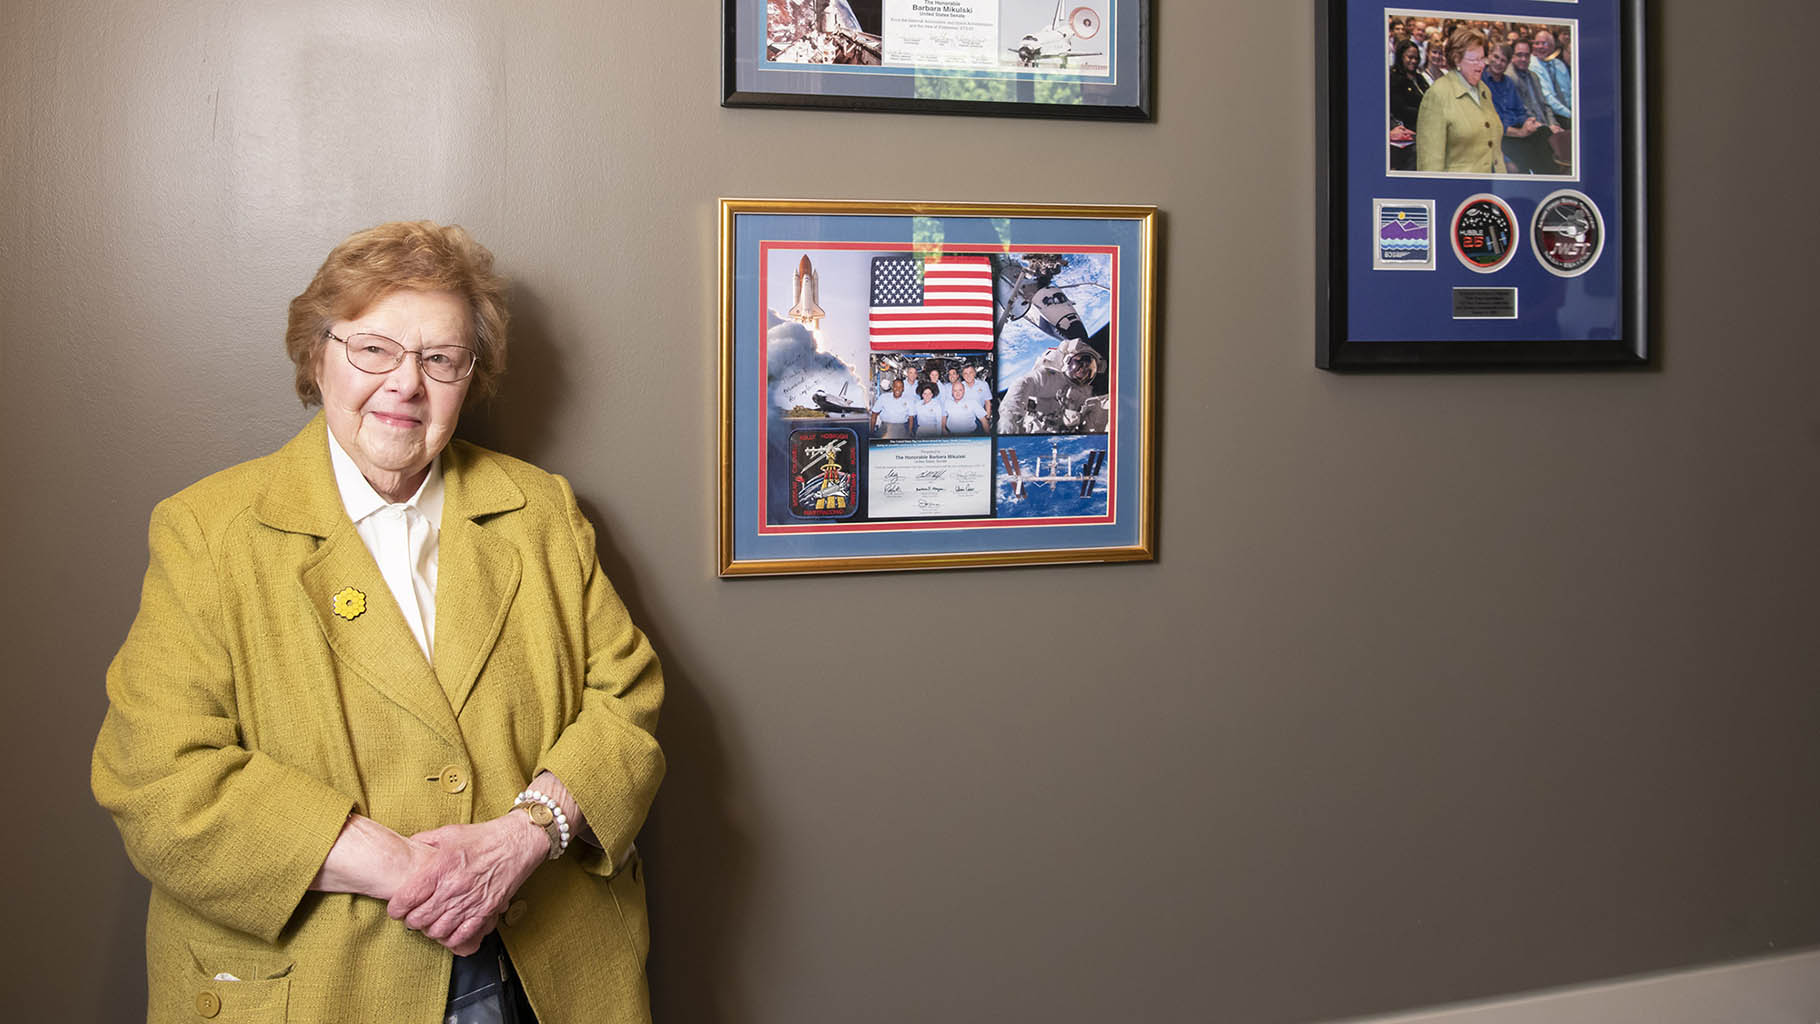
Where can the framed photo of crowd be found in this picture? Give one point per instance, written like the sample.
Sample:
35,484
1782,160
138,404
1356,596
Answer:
1481,185
1030,58
934,385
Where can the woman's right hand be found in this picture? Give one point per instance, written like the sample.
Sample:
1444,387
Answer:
473,944
369,859
456,896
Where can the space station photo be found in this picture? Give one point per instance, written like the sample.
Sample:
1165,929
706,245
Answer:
925,389
1036,36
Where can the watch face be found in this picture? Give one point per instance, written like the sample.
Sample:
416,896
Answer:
540,815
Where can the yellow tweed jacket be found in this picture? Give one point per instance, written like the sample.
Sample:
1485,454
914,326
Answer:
250,711
1455,131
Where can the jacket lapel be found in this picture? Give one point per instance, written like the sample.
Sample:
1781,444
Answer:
342,586
376,643
477,573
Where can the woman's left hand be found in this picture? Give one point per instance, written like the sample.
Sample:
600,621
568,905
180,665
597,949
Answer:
457,893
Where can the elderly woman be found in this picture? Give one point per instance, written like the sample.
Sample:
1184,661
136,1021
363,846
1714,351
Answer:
381,733
1458,128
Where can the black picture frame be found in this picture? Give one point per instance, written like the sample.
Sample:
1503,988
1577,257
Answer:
1123,92
1371,319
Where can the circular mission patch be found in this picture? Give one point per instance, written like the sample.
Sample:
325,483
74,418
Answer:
1484,233
1567,233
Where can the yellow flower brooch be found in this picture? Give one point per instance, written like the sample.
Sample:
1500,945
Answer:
350,603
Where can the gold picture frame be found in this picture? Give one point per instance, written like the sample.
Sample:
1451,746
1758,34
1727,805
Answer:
1036,448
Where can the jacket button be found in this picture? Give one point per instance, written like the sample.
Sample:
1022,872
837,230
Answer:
454,780
208,1003
517,911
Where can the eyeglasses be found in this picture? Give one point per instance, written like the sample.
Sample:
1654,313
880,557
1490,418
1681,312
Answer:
376,353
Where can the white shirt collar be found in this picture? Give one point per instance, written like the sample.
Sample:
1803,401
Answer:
361,500
1468,90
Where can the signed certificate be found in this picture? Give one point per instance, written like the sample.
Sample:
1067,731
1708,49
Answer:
1046,58
941,33
931,479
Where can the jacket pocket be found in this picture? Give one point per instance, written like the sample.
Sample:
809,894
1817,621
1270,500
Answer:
231,985
628,889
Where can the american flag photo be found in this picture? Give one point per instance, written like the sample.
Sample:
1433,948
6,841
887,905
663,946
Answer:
931,304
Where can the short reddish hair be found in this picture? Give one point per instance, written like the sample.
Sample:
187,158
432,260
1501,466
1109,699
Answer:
1463,39
401,256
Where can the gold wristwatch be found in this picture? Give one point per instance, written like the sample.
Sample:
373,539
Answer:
543,818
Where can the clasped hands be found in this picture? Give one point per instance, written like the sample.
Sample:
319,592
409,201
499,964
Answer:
449,883
459,878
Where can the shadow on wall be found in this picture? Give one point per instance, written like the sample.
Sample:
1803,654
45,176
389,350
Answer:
697,855
518,420
698,858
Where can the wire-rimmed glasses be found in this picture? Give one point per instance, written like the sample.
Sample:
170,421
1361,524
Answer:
377,354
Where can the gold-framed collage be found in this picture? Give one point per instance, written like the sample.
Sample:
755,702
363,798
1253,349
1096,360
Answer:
935,385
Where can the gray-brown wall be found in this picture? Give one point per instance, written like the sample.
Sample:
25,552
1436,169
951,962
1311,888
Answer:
1443,686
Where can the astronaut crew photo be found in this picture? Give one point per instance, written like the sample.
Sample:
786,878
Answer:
929,395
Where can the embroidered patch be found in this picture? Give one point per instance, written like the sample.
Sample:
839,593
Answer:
1484,233
1567,233
350,603
824,473
1405,234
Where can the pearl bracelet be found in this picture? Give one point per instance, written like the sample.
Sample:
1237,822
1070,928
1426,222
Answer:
559,840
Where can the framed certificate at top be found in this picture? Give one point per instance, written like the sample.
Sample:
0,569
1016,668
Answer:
1482,189
1035,58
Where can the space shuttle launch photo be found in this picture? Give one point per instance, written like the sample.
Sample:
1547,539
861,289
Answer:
806,290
